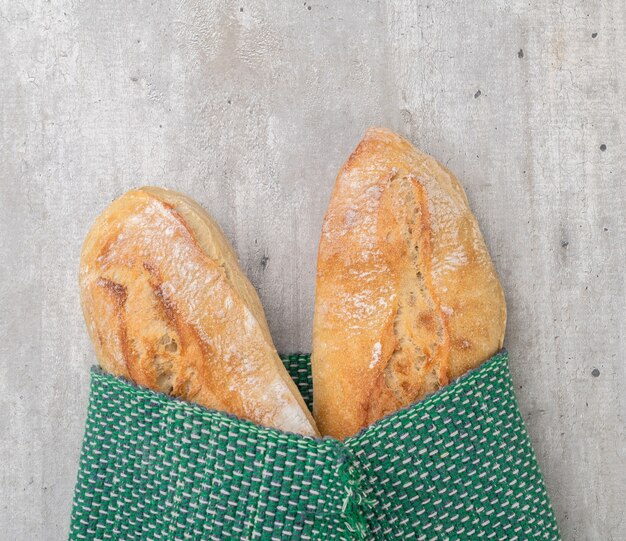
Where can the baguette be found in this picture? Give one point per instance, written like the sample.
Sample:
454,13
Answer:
168,307
407,298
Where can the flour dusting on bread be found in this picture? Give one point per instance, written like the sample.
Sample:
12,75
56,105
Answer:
407,297
168,307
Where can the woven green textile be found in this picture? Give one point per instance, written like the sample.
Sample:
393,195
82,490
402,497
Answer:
458,465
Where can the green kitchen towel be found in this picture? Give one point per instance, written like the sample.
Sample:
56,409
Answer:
458,465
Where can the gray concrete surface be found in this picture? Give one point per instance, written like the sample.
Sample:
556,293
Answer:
251,107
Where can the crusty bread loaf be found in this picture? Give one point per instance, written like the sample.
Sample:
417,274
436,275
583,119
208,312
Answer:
407,297
168,307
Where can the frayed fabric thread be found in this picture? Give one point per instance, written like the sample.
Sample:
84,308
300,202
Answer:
354,502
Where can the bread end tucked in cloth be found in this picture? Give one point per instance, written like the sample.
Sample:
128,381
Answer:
407,298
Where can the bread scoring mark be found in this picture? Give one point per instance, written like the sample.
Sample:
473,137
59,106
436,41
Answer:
191,234
184,384
442,350
156,283
167,350
420,324
119,294
164,353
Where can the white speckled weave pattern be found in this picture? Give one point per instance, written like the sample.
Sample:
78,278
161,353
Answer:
458,465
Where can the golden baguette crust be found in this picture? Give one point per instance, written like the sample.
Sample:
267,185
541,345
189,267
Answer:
407,297
168,307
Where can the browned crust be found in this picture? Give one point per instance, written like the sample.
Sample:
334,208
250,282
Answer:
407,298
168,307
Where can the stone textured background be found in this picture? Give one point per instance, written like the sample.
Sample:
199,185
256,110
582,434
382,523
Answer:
251,107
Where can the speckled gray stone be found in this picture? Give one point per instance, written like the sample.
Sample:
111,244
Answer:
251,107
